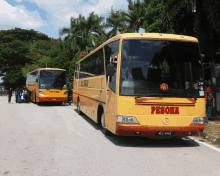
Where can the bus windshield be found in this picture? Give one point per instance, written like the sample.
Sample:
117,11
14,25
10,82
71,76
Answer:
147,64
52,79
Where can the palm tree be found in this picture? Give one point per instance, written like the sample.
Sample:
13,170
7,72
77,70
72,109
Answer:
135,15
115,21
82,30
199,18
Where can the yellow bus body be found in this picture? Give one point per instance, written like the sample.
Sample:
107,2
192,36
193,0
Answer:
93,94
50,95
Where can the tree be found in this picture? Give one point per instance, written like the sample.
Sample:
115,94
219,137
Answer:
204,22
39,55
135,15
14,46
115,21
81,31
152,18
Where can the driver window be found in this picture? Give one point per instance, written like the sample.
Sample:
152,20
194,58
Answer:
111,49
112,79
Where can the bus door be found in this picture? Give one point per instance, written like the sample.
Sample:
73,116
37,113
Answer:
110,115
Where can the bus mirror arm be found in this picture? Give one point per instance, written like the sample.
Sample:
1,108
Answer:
203,56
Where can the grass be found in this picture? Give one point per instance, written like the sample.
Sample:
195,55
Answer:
213,128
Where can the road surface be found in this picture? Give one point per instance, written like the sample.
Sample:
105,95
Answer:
49,140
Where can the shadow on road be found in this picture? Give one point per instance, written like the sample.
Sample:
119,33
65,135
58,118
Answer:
46,104
144,141
149,143
90,121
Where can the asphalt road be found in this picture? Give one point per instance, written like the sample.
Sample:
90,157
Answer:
54,140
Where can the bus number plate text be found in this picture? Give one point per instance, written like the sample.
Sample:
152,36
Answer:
165,133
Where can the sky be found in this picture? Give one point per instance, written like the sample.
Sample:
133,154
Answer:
48,16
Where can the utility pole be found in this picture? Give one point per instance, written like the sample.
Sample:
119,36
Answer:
46,64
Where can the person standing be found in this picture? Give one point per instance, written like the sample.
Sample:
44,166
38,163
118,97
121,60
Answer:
16,94
9,95
69,96
209,101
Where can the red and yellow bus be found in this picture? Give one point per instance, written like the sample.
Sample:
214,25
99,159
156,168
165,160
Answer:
143,84
47,85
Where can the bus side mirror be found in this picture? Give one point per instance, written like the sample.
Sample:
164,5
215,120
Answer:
36,80
110,70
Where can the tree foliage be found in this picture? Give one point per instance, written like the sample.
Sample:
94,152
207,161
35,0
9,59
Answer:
135,15
39,55
14,47
199,18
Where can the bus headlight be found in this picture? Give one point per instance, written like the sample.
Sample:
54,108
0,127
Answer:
66,93
41,93
127,119
198,120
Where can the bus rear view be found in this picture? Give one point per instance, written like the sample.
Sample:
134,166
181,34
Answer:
160,88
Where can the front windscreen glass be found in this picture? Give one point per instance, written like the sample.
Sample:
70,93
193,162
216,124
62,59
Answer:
147,64
52,79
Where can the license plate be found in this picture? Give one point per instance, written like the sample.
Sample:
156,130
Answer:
54,99
165,133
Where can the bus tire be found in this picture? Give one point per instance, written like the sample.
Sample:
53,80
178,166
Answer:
104,130
35,100
78,108
59,103
37,103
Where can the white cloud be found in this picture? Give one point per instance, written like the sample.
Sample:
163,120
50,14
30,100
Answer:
19,1
6,27
61,11
19,16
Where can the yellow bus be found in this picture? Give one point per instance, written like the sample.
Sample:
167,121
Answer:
47,85
143,84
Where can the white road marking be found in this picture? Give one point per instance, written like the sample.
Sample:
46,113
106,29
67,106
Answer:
206,144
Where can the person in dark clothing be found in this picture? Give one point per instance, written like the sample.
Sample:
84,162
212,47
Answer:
16,94
9,95
69,96
26,95
209,101
19,93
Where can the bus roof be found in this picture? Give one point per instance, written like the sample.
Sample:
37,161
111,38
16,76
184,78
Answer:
144,36
46,69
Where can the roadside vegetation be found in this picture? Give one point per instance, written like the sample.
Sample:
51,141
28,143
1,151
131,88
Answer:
23,50
212,128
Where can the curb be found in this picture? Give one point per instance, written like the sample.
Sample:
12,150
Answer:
212,138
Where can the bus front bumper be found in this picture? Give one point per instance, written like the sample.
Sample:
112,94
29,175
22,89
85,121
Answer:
53,99
158,131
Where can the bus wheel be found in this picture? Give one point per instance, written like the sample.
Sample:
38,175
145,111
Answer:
38,103
78,107
35,100
59,103
104,130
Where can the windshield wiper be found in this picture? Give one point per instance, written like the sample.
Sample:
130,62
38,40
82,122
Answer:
184,94
153,95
